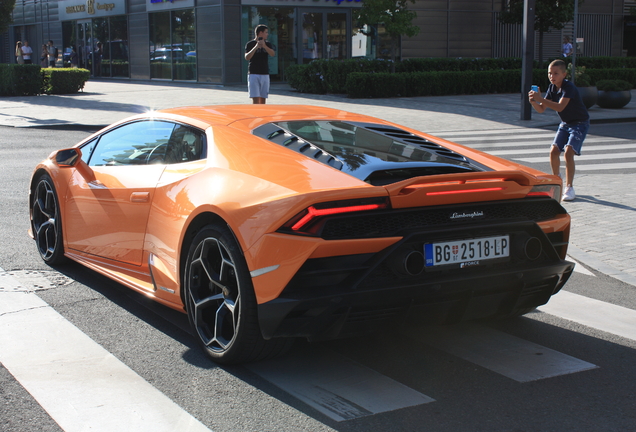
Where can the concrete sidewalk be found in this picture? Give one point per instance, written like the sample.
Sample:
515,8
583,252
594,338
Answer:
602,219
103,102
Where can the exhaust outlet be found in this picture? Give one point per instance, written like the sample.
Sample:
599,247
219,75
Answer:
533,248
408,263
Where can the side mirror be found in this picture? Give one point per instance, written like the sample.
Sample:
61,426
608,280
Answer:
68,157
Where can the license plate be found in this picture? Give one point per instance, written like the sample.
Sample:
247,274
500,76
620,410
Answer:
467,252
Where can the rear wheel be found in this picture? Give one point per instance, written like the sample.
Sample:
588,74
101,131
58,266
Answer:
515,313
220,300
46,223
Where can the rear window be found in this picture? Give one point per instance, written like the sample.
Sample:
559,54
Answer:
375,153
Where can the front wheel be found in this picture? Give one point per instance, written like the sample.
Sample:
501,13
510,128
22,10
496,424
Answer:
220,300
46,222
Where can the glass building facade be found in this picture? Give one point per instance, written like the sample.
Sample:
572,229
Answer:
204,40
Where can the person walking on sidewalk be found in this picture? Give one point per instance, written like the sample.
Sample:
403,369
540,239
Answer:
257,52
566,49
563,97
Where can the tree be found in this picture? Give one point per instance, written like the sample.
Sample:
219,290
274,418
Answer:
395,16
548,14
6,8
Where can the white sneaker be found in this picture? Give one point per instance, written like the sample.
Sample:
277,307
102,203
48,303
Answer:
569,194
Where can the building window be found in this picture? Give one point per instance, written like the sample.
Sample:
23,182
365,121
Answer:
173,45
101,45
282,35
371,42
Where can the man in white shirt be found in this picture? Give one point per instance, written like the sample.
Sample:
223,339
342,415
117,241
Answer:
26,53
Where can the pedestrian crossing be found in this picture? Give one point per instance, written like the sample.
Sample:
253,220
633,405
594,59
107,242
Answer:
36,344
531,147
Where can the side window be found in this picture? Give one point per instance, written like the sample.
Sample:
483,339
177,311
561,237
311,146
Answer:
186,144
132,144
87,150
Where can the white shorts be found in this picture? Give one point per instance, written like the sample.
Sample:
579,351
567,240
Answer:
258,85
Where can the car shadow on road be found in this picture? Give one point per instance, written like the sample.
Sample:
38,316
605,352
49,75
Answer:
593,200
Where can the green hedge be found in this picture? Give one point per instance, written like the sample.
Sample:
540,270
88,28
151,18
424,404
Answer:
625,74
439,83
436,83
20,80
330,76
64,80
457,64
371,78
606,62
30,80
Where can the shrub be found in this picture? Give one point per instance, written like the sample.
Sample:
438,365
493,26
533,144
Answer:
613,85
606,62
625,74
20,80
435,83
298,76
457,64
363,78
64,80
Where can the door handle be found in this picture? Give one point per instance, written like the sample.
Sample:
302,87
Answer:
140,197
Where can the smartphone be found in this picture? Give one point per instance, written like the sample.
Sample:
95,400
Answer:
260,38
535,88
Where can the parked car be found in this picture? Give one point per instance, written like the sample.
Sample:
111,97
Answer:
167,54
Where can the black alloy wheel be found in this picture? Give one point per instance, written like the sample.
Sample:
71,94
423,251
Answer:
46,223
220,300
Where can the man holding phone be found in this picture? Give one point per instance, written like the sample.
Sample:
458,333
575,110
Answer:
257,52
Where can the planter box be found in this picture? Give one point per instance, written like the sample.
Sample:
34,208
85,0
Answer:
613,99
589,96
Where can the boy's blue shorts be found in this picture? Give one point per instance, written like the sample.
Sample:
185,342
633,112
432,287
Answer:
571,134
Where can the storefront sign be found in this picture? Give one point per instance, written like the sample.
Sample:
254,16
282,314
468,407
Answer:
310,3
77,9
154,5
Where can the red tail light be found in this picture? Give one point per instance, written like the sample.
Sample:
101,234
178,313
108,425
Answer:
310,220
550,191
465,191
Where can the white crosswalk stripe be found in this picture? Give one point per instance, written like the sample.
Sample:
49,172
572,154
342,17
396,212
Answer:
543,150
583,157
520,144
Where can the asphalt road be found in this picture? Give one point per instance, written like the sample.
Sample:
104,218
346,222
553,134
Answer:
573,376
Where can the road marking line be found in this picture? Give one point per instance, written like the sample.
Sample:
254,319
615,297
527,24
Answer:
534,139
584,157
494,132
609,166
546,150
80,384
545,143
617,320
510,356
337,386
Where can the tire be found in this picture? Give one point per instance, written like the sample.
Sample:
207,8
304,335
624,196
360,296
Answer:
516,313
220,300
46,222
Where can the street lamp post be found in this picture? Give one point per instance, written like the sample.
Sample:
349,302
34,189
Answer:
528,58
576,14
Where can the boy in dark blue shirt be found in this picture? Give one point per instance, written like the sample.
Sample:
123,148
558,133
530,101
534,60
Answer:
563,97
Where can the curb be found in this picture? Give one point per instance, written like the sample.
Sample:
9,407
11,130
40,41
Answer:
598,265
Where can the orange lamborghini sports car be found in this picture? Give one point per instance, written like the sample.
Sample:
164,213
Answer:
265,223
